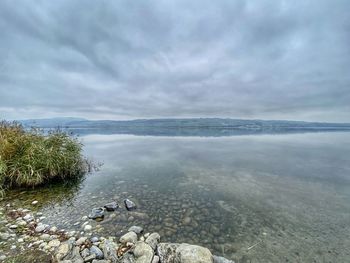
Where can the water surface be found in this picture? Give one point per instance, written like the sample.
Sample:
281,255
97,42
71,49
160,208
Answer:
253,198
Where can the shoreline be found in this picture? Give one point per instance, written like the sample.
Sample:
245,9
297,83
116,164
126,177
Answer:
23,236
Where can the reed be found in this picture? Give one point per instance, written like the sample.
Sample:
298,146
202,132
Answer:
31,158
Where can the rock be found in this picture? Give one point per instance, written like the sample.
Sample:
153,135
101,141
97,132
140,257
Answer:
54,243
41,228
128,237
152,240
218,259
97,213
20,240
129,205
81,241
186,253
87,228
95,250
112,206
85,253
28,217
63,250
4,236
94,239
35,202
90,258
109,251
166,252
21,223
13,226
100,261
53,229
2,257
136,229
143,252
45,237
155,259
186,220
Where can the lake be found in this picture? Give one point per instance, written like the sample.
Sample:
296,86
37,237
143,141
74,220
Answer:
251,198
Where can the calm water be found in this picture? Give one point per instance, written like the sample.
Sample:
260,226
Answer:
258,198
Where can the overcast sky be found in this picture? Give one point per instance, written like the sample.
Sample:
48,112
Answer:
154,59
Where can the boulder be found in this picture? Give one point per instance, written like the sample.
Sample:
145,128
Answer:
143,252
166,252
186,253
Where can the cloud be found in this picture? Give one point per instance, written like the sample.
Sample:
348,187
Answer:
126,59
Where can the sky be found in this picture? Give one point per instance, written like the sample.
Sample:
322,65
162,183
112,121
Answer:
262,59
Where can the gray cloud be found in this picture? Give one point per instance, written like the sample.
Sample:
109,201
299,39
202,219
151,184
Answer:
140,59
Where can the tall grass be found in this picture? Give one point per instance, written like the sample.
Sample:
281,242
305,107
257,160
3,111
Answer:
30,158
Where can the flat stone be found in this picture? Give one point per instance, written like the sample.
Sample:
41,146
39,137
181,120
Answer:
41,228
136,229
153,240
13,226
35,202
90,258
128,237
109,251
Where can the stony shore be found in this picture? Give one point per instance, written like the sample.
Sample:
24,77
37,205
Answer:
23,233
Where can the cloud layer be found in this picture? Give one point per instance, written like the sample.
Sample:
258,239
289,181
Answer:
146,59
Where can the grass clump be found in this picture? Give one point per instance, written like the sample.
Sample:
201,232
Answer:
31,158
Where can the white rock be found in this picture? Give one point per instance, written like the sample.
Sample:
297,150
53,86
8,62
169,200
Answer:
13,226
35,202
87,228
54,243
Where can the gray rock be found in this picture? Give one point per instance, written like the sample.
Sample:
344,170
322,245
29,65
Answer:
109,251
143,252
112,206
41,228
85,253
73,254
166,252
81,241
136,229
128,237
97,213
155,259
99,261
95,250
129,205
4,236
90,258
186,253
94,239
152,240
218,259
28,217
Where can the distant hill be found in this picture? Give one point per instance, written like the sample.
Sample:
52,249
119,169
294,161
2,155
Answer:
185,127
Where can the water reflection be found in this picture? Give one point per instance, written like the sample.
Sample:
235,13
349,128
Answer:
266,198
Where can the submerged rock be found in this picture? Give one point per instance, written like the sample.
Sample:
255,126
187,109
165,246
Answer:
130,205
218,259
136,229
112,206
97,213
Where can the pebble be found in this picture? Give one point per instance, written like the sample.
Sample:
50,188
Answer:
35,202
13,226
81,241
95,250
54,243
87,228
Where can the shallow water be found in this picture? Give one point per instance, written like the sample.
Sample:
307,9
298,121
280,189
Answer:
255,198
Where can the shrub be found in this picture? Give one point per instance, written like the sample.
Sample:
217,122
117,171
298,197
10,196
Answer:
30,158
